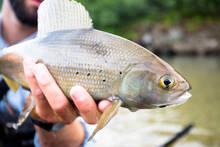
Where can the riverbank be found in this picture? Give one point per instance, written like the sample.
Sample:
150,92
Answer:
152,128
180,39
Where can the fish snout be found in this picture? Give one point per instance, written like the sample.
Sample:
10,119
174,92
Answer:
178,101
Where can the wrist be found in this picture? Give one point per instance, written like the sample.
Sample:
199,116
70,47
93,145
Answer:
70,135
50,127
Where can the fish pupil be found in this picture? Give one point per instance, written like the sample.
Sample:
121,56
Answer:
166,82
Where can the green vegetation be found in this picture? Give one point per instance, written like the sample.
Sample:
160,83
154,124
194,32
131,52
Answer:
117,15
116,12
114,15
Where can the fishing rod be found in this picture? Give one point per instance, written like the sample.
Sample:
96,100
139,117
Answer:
178,135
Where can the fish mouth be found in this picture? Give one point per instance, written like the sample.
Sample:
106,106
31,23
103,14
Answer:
180,100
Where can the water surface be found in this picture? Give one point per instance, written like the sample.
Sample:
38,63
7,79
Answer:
154,127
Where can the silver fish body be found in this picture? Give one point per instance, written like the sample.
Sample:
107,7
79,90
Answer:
108,66
96,60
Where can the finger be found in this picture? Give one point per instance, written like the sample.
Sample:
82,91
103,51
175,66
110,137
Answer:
103,105
43,108
85,104
57,100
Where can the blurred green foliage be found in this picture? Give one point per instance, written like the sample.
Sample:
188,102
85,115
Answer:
118,13
0,5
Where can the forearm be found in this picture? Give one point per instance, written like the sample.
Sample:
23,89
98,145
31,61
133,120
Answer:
71,135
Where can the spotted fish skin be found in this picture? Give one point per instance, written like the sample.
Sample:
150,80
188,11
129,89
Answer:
107,66
88,57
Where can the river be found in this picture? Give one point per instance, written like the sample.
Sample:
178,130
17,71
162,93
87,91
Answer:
155,127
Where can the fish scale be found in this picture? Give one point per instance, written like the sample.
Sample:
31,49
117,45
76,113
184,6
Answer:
103,51
81,52
106,65
93,83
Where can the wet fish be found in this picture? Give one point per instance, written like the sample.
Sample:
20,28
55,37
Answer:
108,66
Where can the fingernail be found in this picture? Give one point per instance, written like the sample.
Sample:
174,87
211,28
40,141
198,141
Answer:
77,93
104,104
81,97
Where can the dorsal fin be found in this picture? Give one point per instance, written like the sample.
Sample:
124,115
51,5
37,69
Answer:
56,15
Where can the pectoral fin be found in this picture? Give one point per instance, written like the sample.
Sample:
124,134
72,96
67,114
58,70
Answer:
107,116
29,106
11,84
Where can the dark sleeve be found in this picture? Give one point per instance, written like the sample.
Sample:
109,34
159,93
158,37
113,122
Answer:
3,89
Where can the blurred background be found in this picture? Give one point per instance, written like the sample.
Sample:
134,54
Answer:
186,34
171,27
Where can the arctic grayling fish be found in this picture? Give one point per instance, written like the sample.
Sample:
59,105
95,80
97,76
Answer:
108,66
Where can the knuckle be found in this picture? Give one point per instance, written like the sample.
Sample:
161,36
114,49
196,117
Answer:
85,110
45,83
84,106
60,107
29,75
44,116
37,93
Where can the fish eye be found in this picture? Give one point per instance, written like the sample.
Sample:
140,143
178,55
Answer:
167,81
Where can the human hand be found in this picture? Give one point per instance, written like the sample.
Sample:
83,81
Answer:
52,105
